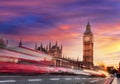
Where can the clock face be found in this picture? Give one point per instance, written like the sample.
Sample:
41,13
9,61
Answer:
87,38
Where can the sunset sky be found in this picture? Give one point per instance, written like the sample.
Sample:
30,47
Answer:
37,21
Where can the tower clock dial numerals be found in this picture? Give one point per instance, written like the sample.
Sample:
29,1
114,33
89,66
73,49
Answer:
87,38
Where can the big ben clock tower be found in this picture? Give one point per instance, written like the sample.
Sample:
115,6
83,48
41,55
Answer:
88,47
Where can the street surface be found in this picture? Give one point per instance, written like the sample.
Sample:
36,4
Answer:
116,81
52,79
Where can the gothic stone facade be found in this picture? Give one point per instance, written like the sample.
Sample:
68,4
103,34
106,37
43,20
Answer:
53,50
88,47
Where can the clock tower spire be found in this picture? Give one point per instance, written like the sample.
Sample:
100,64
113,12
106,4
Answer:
88,28
88,47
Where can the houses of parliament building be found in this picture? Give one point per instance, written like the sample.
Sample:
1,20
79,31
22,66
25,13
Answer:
60,61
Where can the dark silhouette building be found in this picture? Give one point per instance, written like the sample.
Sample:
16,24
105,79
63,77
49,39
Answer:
59,60
53,50
3,43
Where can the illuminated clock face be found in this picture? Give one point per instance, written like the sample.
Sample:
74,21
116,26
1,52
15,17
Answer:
87,38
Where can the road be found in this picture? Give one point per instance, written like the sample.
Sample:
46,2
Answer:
52,79
116,81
